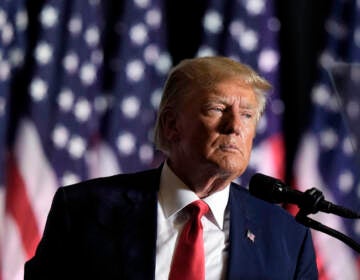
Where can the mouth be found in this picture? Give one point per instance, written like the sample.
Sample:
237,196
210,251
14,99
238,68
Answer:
229,148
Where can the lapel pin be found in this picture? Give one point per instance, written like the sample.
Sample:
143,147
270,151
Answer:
250,235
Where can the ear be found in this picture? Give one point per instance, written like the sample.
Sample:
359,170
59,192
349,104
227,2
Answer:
170,126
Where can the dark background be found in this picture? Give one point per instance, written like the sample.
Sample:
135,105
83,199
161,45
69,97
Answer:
302,37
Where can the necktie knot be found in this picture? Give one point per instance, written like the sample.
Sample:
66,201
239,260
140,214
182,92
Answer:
198,208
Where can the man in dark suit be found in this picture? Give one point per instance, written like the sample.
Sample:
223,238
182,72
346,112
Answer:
128,226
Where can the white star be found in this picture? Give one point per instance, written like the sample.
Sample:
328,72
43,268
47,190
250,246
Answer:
151,54
327,60
60,136
346,181
138,34
349,146
38,89
261,127
268,60
146,153
249,40
273,24
126,143
213,22
255,7
206,51
100,103
236,28
75,25
21,20
3,18
92,36
163,64
153,18
130,107
156,98
277,106
43,53
97,57
76,147
142,3
353,109
69,178
135,70
16,56
7,34
49,16
82,109
357,222
320,95
336,28
71,62
4,70
328,138
88,74
66,99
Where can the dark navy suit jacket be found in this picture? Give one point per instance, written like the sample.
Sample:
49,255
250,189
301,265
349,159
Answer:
106,229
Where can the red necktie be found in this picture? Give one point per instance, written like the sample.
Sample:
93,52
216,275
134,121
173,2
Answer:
189,258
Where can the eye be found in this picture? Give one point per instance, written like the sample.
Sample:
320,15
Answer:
248,115
217,109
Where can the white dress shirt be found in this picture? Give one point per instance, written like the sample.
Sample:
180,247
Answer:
174,195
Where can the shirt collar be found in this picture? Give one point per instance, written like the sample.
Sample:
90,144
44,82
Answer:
174,195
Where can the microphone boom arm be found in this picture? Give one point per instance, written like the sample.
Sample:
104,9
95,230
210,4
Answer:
311,208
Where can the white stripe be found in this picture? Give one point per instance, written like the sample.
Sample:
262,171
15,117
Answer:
263,159
337,256
101,161
13,257
37,173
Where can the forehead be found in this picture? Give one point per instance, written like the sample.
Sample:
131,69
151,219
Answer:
230,90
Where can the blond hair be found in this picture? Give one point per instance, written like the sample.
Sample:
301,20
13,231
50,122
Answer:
203,74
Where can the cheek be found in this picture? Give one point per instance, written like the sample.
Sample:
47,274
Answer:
195,134
248,134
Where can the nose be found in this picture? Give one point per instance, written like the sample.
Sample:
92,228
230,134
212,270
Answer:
231,123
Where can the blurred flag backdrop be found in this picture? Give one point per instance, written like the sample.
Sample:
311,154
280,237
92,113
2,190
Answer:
80,83
247,31
328,157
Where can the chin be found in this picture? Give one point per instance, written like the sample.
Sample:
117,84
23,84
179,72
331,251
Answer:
233,168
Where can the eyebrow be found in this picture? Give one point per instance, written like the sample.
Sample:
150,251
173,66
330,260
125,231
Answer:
225,101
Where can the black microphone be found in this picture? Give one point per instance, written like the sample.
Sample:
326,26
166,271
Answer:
275,191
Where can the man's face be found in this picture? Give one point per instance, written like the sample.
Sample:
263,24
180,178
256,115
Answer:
215,129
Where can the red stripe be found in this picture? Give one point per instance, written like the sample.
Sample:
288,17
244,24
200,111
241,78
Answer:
320,265
19,207
277,148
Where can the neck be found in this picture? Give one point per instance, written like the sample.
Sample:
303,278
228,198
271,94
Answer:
202,182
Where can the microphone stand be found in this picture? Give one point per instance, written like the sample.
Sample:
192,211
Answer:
314,196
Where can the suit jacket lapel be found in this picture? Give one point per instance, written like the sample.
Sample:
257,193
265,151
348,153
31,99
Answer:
244,252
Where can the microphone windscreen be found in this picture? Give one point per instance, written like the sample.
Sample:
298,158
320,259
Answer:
266,188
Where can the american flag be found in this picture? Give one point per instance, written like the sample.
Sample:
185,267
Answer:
328,157
144,63
247,31
83,106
